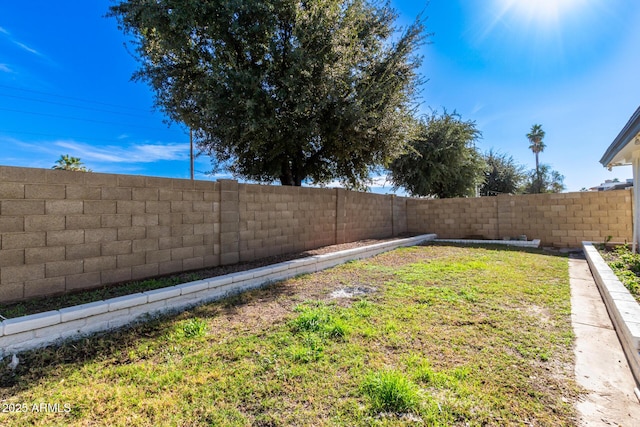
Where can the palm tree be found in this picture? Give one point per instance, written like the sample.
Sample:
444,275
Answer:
66,162
535,136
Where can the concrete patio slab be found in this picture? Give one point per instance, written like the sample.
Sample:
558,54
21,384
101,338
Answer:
601,366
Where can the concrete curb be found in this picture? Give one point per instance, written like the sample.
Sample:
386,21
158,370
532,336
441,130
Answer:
42,329
622,307
519,243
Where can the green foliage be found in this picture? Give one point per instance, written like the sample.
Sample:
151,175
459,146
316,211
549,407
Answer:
423,372
535,137
194,327
311,350
391,391
313,326
281,89
544,180
626,265
320,320
502,175
442,159
66,162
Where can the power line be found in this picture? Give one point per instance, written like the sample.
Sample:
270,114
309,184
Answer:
56,116
70,98
80,138
70,105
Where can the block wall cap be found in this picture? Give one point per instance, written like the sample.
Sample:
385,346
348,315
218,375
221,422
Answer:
216,282
191,287
163,293
242,276
126,301
69,314
33,321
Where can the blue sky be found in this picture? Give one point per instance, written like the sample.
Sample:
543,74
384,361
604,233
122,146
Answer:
570,65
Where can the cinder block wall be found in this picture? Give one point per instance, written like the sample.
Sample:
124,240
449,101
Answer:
61,231
567,219
276,220
399,215
367,216
563,220
454,218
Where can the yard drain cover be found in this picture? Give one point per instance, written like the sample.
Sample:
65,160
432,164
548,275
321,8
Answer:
351,292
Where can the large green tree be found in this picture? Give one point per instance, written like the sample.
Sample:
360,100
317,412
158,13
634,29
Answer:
442,159
282,90
544,180
502,175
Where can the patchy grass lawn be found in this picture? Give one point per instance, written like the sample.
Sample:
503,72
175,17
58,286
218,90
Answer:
444,335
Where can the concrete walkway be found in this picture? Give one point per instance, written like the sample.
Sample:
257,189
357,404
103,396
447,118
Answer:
601,366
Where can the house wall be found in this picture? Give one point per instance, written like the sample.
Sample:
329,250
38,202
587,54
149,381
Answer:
62,231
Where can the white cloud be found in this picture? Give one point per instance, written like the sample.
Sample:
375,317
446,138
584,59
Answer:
135,153
19,43
477,107
4,68
27,48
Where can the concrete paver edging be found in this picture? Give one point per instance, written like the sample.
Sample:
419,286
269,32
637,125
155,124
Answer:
519,243
42,329
622,307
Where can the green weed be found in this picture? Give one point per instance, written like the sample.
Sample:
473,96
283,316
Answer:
391,391
626,265
194,327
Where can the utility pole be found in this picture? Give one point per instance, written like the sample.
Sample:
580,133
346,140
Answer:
191,150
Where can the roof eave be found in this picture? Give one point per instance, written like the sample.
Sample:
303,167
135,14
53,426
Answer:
628,132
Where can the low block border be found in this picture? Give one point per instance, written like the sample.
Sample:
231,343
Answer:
39,330
623,310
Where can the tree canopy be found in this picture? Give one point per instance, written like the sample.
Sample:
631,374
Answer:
544,180
442,160
281,89
69,163
536,145
502,175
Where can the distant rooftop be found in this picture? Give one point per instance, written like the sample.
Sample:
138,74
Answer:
611,184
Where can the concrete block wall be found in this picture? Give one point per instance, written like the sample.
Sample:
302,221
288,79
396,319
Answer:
399,215
457,218
567,219
367,216
275,220
62,231
563,220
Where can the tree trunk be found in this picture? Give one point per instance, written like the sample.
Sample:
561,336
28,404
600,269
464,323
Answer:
538,183
289,177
